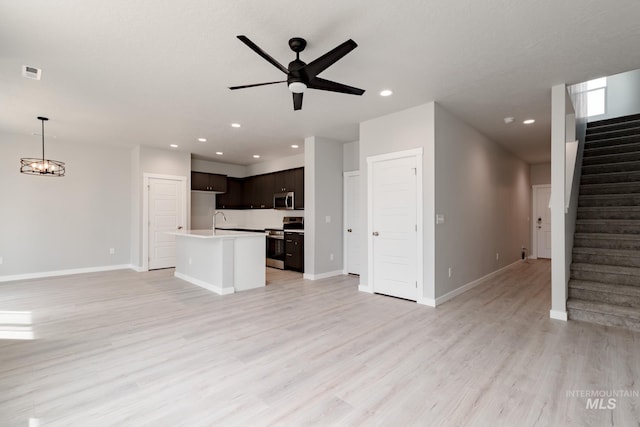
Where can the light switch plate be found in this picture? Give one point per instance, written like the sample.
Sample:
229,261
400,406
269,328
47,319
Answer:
327,219
439,218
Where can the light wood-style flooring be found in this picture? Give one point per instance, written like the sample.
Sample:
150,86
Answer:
146,349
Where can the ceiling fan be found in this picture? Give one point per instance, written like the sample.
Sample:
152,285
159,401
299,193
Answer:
300,75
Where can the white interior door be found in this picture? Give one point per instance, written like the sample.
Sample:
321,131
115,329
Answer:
352,222
167,212
394,227
542,221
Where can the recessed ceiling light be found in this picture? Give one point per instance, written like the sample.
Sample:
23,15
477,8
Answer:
173,145
235,125
295,146
529,121
219,153
202,139
256,156
508,120
386,92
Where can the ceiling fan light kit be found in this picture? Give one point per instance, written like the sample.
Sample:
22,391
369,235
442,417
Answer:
302,76
42,167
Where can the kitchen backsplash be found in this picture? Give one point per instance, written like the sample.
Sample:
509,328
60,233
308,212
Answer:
202,210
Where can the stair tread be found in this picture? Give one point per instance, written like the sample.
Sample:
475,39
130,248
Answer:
615,236
609,269
609,208
601,251
611,288
608,221
613,121
602,196
610,184
604,308
612,164
612,156
609,147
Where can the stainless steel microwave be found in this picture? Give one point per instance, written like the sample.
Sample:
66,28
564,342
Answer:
283,201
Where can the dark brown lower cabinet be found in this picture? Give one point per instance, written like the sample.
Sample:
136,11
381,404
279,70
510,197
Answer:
294,251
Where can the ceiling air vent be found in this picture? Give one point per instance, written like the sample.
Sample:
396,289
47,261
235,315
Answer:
31,72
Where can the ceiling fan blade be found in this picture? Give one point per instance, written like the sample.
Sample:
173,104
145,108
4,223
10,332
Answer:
262,53
297,101
257,84
320,64
323,84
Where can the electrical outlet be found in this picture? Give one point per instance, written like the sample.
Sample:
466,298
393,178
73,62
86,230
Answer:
327,219
190,261
330,257
112,251
449,272
497,256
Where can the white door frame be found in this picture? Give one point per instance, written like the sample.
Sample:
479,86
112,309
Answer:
534,233
417,153
145,209
345,212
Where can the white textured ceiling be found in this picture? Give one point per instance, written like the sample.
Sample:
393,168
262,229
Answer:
156,72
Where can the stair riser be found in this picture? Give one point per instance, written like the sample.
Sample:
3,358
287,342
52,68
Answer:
611,158
603,190
596,276
609,168
609,200
610,179
606,243
606,297
621,261
604,319
609,214
601,142
614,149
614,124
608,228
629,129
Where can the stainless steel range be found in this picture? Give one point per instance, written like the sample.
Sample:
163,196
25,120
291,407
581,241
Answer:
275,240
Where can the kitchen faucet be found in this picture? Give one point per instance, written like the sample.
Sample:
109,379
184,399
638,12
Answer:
214,218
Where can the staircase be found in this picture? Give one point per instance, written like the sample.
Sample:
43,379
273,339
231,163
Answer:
604,286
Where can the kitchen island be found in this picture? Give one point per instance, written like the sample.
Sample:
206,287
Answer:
221,261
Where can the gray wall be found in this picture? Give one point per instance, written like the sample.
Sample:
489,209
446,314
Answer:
622,95
350,156
540,174
323,198
51,224
484,193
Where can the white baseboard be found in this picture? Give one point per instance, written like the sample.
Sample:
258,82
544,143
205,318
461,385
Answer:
362,287
322,275
430,302
558,315
138,268
215,289
66,272
462,289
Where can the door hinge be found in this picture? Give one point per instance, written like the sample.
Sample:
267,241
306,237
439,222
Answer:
415,226
415,171
416,284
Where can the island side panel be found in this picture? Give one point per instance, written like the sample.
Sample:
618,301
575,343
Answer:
206,266
249,269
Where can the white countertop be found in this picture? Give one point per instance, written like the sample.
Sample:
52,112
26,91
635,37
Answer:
218,234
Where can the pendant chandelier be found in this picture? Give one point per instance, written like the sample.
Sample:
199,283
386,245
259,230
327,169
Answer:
42,166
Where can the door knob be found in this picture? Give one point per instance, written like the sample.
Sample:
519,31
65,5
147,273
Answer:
179,227
349,230
375,233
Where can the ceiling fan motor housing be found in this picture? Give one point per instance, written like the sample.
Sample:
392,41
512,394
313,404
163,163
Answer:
297,79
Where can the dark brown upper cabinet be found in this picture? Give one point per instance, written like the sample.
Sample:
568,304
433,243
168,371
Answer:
201,181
